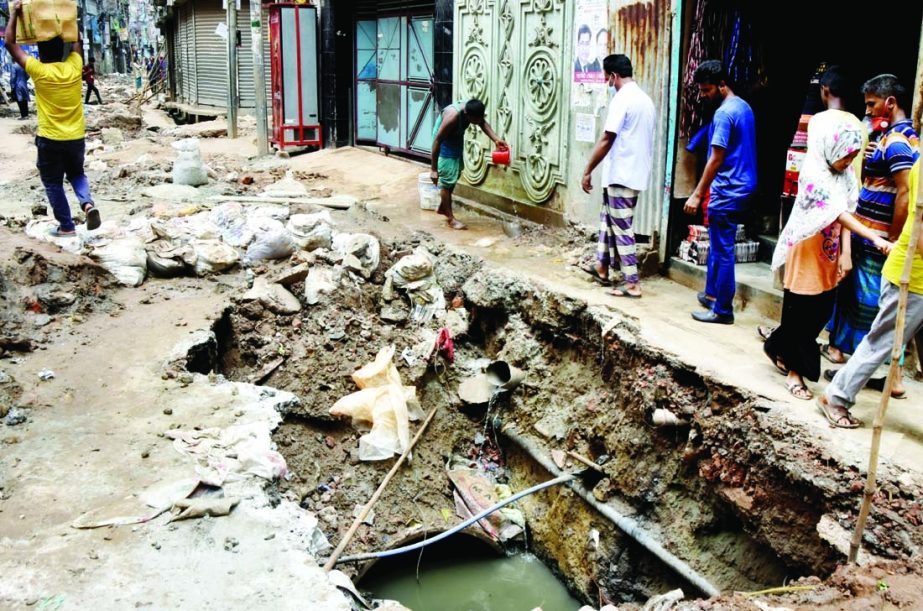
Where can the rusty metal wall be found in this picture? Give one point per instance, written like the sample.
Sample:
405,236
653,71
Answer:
642,31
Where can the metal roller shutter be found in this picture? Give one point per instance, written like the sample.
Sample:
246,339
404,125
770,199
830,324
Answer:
188,54
210,54
177,65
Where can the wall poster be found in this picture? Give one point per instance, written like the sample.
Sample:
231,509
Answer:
591,40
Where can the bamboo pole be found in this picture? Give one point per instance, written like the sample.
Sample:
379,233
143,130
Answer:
332,561
897,347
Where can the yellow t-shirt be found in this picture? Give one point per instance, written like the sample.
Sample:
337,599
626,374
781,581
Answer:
894,266
58,98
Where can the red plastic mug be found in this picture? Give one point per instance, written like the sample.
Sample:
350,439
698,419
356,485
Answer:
501,157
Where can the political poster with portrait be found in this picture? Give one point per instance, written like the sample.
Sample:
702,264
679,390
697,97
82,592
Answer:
591,40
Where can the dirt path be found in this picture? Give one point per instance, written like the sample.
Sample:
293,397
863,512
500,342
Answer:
94,436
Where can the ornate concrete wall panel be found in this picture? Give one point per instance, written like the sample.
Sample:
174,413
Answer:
510,55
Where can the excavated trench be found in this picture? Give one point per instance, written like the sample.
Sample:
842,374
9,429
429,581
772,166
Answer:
729,491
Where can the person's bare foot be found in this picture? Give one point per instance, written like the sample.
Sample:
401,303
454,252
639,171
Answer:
898,391
832,354
454,223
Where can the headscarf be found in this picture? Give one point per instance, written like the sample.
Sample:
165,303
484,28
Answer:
823,193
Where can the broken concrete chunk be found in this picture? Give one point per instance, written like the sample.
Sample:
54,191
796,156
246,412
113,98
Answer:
197,350
286,187
320,281
112,136
293,275
395,312
364,247
476,390
274,297
213,256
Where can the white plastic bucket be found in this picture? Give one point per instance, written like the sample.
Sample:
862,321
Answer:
429,193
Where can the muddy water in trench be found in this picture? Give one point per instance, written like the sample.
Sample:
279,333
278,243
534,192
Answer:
457,576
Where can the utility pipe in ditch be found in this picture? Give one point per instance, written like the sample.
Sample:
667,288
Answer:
627,525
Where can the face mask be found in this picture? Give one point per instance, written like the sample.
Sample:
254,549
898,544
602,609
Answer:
612,90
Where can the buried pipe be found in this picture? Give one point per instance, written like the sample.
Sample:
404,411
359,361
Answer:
627,525
561,479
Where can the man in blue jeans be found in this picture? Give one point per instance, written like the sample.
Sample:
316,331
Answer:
61,130
730,178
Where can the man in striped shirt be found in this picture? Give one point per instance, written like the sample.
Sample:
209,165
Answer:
882,207
886,181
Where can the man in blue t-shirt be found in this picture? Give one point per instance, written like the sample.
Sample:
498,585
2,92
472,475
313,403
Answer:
730,179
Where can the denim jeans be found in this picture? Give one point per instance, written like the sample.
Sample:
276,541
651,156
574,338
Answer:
57,159
720,282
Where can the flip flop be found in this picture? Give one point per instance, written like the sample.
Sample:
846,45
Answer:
623,292
825,352
56,232
595,276
93,220
794,388
879,385
835,421
457,224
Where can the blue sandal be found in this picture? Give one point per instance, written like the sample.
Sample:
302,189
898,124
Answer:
56,232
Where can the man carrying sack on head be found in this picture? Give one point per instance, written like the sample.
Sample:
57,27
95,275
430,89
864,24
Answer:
61,132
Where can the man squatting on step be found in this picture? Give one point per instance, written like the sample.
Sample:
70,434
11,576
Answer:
448,150
61,131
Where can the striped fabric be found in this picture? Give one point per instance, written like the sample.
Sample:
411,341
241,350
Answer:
856,302
616,247
898,150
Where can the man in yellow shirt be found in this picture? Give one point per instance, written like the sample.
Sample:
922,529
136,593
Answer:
61,132
875,348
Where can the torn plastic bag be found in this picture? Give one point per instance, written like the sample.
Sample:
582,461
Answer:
167,259
384,410
278,212
232,224
412,268
381,406
38,229
311,231
125,258
188,169
270,241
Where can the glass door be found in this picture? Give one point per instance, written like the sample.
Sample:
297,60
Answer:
395,107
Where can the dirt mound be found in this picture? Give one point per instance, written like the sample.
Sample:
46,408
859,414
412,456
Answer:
312,353
882,585
44,291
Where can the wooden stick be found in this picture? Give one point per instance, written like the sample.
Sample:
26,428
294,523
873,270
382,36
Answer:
315,201
896,349
331,562
779,590
586,461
